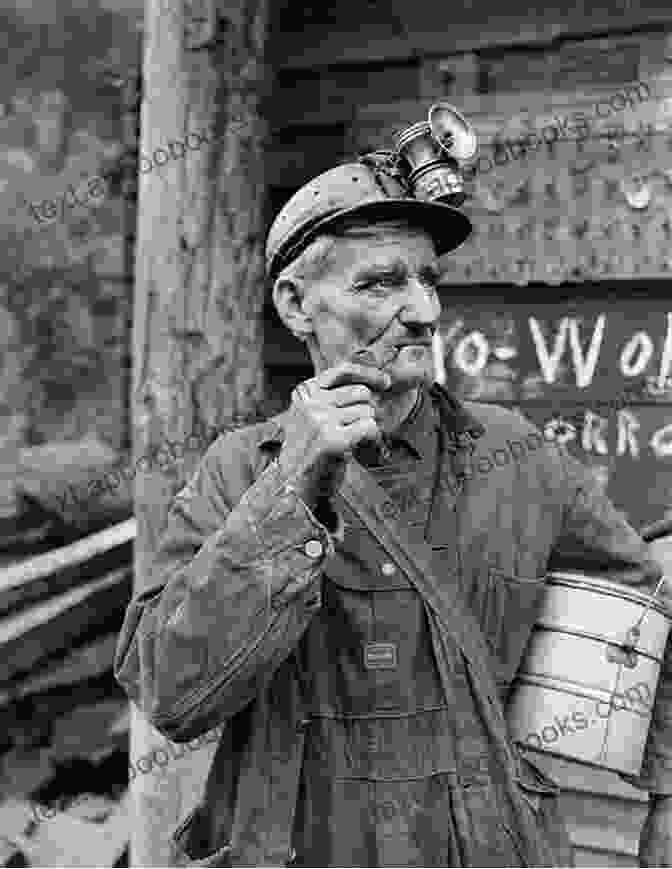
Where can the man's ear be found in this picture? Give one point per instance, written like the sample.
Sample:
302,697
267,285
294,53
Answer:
289,299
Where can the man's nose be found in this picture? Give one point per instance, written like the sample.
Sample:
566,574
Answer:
422,304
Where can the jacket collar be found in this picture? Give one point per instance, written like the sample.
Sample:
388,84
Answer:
461,425
418,430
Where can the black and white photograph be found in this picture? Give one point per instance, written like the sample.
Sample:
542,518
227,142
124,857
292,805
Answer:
335,433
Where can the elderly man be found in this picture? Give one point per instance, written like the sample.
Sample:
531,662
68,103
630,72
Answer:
341,590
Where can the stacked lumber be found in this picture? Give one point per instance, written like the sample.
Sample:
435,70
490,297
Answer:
64,723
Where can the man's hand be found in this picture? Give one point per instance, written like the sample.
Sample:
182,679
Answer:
655,843
329,415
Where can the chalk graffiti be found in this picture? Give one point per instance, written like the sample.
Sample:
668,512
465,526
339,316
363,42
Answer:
630,364
571,348
473,350
584,367
593,433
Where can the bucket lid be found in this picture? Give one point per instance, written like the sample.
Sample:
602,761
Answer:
608,587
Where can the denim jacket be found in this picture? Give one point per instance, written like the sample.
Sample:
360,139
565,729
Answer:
237,582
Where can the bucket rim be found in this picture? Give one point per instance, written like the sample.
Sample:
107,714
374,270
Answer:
609,766
586,582
576,689
602,639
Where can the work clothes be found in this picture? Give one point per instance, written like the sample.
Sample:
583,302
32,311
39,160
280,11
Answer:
342,744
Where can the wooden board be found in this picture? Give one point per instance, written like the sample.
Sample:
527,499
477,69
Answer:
60,569
64,840
52,625
317,35
87,662
89,731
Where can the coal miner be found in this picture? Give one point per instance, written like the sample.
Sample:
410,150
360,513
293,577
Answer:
337,588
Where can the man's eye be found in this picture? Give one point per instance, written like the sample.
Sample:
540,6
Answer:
388,281
430,281
381,282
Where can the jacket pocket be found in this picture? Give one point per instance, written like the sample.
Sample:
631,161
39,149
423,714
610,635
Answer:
509,612
189,846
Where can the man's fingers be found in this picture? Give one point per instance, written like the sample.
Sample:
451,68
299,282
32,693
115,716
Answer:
301,392
363,429
342,396
349,372
355,412
338,396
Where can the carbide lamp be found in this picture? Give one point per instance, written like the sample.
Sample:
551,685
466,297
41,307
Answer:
434,152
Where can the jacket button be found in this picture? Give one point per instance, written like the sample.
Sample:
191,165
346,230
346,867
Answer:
313,549
388,510
387,811
388,568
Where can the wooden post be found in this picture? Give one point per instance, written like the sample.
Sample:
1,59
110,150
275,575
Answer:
198,300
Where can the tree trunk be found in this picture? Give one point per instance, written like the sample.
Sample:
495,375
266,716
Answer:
198,302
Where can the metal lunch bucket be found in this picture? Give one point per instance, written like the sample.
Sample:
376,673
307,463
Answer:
586,686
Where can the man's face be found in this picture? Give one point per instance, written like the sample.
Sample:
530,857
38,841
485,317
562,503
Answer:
379,293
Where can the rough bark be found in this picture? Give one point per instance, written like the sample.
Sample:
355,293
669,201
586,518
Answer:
198,296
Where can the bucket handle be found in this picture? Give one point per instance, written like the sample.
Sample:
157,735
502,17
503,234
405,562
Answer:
649,533
634,633
623,653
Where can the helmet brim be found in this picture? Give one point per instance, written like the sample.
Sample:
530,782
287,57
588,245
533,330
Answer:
448,227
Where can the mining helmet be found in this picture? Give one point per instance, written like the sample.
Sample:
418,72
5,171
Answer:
356,191
420,181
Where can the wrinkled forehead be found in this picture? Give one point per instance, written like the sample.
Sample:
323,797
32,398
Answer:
382,243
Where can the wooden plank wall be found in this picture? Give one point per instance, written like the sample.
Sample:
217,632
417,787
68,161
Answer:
314,35
348,75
